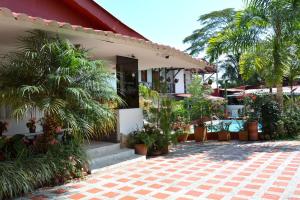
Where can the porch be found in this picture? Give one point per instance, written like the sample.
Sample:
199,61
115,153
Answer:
110,47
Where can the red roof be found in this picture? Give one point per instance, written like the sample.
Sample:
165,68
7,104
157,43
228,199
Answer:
85,13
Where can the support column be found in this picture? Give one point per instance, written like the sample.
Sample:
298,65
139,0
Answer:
130,116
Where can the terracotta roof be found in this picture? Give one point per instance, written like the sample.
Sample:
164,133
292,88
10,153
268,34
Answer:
106,35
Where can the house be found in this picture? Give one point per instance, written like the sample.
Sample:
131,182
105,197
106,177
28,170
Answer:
126,52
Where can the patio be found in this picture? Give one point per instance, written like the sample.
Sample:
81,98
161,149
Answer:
214,170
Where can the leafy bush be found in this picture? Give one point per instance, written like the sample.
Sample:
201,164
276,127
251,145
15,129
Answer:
197,105
270,115
140,137
291,117
59,79
60,163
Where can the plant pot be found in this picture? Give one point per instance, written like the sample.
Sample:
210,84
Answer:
253,130
200,134
223,136
141,149
243,136
165,149
183,137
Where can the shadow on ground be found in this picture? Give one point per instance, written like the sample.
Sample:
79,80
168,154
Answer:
232,151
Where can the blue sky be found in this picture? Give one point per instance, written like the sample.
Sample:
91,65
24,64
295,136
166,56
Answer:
165,21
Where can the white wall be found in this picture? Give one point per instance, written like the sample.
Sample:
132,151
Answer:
149,75
14,126
179,87
129,120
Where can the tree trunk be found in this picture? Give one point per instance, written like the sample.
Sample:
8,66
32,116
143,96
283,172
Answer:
279,95
277,62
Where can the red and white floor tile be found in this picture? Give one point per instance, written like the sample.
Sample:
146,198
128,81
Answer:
267,170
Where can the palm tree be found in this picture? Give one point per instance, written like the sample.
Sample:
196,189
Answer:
220,35
259,60
211,24
55,77
273,21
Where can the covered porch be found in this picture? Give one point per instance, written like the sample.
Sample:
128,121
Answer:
124,57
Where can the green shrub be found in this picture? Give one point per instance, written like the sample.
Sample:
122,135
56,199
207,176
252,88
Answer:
60,163
291,121
270,116
140,137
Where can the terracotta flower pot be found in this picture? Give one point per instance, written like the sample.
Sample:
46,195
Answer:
243,136
141,149
200,134
253,130
165,149
223,136
183,137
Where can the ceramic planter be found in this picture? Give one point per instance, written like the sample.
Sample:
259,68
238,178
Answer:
243,136
200,134
141,149
183,137
253,130
223,136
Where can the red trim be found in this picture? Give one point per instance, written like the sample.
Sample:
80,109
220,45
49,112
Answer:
85,13
100,14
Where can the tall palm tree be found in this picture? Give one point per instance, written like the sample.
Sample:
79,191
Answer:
211,24
272,20
60,80
220,35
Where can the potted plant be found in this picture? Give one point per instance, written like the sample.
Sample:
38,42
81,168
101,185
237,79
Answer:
200,133
181,136
243,133
31,125
141,141
3,127
252,105
224,134
252,127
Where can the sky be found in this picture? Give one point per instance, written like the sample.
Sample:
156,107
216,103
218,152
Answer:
165,21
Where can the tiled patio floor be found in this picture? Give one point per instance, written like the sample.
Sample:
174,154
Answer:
268,170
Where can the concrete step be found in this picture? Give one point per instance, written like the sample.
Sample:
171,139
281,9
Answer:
112,164
104,155
112,156
96,150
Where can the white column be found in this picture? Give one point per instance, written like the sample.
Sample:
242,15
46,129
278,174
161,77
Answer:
179,86
129,120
